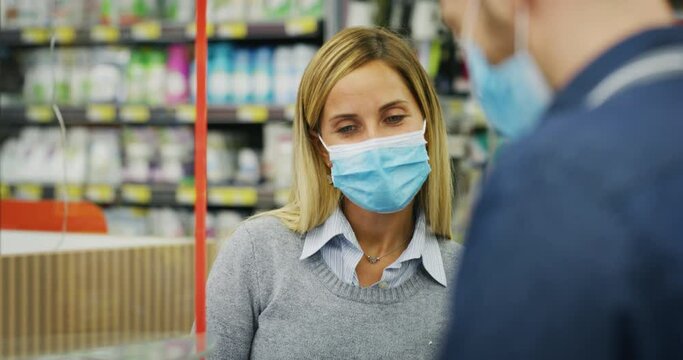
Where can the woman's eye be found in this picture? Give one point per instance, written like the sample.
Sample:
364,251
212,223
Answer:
346,129
395,119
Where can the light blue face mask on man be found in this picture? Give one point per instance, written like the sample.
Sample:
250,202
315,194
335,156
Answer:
381,175
513,94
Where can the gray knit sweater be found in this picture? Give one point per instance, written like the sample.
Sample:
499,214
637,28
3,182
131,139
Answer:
265,303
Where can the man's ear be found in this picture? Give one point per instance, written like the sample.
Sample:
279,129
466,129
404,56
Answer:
318,146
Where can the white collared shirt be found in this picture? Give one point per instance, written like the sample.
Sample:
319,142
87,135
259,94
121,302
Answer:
337,244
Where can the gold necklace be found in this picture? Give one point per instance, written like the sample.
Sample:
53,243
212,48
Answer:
376,259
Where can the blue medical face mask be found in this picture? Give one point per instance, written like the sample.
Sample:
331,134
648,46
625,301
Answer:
381,175
513,94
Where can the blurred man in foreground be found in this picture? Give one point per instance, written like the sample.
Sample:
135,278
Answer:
575,250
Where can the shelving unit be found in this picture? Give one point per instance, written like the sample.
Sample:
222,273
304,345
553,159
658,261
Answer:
246,121
158,195
156,32
110,114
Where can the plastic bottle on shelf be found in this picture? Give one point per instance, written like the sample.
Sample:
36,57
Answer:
248,167
10,14
179,11
174,151
302,55
227,10
156,78
279,9
68,12
136,78
221,74
107,75
283,75
132,11
79,79
312,8
218,170
243,77
38,79
77,155
139,147
193,80
34,13
177,69
256,10
108,14
62,75
104,163
263,76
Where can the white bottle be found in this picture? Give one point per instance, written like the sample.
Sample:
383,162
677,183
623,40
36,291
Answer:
249,168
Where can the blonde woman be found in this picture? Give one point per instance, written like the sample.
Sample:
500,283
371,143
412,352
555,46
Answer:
359,263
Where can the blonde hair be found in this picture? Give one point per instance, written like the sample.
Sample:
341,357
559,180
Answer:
312,198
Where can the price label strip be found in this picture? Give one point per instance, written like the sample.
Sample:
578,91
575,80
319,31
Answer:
252,113
233,196
302,26
233,31
135,113
185,113
65,34
35,35
185,194
39,114
73,192
137,194
100,193
29,192
5,192
105,33
149,30
101,113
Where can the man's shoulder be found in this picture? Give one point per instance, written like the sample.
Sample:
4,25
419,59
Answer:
617,147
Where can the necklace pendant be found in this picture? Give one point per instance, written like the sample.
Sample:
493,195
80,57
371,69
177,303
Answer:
372,259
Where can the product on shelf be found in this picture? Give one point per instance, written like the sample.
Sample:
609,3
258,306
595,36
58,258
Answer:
176,147
158,76
36,156
168,222
107,75
220,70
248,167
81,13
177,75
127,12
179,11
277,154
104,165
243,91
220,159
226,10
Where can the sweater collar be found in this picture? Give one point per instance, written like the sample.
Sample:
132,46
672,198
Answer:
423,245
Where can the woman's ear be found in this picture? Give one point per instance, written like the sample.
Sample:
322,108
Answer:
313,136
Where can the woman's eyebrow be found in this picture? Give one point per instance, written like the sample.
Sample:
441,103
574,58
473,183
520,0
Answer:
392,104
382,108
343,117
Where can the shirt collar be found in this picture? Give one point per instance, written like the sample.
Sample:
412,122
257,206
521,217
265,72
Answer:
319,236
573,94
423,244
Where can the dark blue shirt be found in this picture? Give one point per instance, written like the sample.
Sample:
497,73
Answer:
575,250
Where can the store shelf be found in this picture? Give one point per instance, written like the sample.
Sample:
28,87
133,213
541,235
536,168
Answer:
107,114
131,194
156,32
